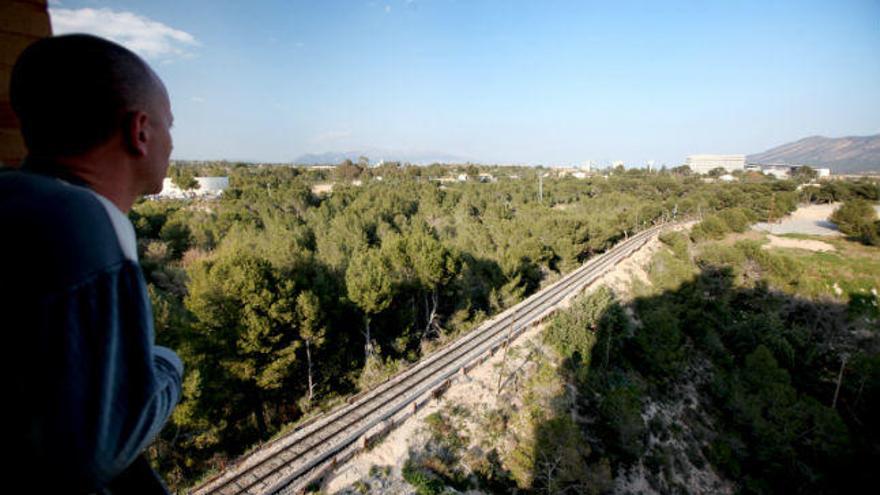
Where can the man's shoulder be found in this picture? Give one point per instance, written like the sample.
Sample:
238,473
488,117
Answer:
32,190
55,231
48,204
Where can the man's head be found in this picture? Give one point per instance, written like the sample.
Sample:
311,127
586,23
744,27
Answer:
82,96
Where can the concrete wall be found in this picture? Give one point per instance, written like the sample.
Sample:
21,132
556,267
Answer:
21,23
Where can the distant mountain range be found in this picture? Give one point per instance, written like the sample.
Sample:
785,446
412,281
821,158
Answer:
375,155
842,155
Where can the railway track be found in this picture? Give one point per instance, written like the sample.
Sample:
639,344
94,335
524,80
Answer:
290,463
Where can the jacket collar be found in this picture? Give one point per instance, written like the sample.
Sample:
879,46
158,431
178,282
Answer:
50,168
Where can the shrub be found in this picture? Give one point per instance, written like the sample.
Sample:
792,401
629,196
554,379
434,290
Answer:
572,332
712,227
668,271
722,256
178,237
659,343
677,242
559,460
858,219
736,219
378,369
425,482
620,425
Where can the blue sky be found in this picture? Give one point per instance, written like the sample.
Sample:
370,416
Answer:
537,82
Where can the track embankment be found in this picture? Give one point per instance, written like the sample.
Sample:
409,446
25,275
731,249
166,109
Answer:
303,456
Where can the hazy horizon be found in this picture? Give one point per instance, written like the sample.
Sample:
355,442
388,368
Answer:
500,82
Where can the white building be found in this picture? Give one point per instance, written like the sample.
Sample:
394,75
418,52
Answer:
703,164
209,187
778,171
784,170
563,171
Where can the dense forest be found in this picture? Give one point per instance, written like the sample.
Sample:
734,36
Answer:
282,301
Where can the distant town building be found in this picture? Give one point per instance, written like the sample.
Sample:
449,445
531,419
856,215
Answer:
778,171
209,187
786,170
703,164
563,171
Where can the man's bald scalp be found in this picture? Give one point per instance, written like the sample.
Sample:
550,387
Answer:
72,93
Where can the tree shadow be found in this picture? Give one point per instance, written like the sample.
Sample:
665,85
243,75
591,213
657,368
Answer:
715,386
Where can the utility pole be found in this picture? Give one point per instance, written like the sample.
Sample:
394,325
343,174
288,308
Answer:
540,187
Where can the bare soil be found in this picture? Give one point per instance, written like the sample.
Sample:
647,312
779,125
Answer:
788,242
811,220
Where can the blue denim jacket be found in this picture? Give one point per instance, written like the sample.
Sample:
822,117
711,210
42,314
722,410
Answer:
86,389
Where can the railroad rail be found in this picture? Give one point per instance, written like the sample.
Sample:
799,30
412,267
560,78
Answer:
289,464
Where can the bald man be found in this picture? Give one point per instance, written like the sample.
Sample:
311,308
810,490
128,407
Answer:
86,387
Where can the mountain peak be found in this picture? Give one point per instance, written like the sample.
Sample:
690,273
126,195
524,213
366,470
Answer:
843,154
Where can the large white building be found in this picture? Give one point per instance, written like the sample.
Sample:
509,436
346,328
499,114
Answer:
703,164
209,187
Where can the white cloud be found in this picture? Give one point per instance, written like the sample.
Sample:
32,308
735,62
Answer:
387,9
149,38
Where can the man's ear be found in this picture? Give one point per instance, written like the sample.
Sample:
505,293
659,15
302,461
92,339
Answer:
136,132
